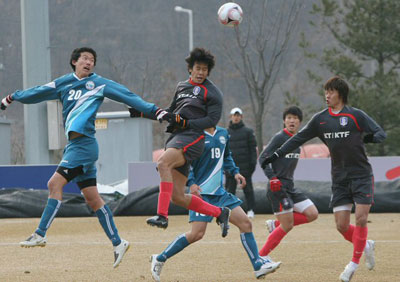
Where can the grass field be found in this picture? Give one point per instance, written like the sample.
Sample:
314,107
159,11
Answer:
78,250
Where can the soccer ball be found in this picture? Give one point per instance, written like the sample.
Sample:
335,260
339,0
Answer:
230,14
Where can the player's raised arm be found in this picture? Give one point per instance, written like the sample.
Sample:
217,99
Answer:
308,132
269,150
373,132
140,107
32,95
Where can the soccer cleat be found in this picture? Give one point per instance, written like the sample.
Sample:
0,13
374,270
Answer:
119,252
250,214
369,252
158,220
156,267
348,272
223,220
266,258
270,223
35,240
267,267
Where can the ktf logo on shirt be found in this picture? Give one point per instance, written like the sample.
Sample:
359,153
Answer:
335,135
292,156
186,95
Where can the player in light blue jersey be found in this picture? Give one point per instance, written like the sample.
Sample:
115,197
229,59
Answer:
205,181
81,94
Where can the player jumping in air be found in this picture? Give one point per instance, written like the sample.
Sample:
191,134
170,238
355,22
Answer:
81,94
344,130
197,105
205,181
289,204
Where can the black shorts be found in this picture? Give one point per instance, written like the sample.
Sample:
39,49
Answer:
349,191
192,144
294,195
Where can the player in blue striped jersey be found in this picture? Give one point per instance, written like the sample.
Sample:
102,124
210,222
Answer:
81,94
205,180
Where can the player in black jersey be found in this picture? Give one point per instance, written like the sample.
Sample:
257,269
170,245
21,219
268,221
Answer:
197,105
289,204
344,130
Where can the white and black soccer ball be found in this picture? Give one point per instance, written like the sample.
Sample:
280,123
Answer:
230,14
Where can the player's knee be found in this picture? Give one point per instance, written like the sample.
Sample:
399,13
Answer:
342,227
246,226
287,226
178,199
53,186
163,165
198,236
95,203
361,220
312,216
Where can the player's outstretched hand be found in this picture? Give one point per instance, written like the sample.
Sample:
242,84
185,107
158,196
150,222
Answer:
195,190
6,102
269,160
180,121
135,113
163,115
369,138
240,180
275,184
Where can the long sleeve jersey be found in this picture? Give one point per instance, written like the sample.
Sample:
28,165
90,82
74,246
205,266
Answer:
283,167
200,104
207,171
343,134
81,99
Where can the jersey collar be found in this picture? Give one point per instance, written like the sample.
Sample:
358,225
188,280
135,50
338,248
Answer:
287,132
82,78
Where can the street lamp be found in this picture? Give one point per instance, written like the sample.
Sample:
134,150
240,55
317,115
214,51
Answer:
190,13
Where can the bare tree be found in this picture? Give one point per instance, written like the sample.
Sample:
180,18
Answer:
262,48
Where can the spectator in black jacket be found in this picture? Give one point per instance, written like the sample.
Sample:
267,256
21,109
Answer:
243,147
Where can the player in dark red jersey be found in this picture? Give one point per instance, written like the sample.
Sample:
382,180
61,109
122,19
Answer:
344,130
197,105
290,206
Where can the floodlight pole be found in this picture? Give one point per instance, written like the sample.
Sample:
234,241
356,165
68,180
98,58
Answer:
190,13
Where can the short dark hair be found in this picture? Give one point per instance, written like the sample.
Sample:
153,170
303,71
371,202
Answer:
293,110
200,55
338,84
77,53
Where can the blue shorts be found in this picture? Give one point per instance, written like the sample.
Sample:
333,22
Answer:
81,151
226,200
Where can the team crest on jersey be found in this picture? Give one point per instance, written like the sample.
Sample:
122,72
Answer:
196,90
343,121
222,139
89,85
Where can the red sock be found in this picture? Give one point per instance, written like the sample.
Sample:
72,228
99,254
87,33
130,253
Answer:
164,198
348,235
299,218
273,240
200,206
359,239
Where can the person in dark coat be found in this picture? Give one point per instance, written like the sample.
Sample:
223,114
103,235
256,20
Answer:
243,147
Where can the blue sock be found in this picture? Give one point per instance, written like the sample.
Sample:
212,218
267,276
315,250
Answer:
48,215
107,222
175,247
250,245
